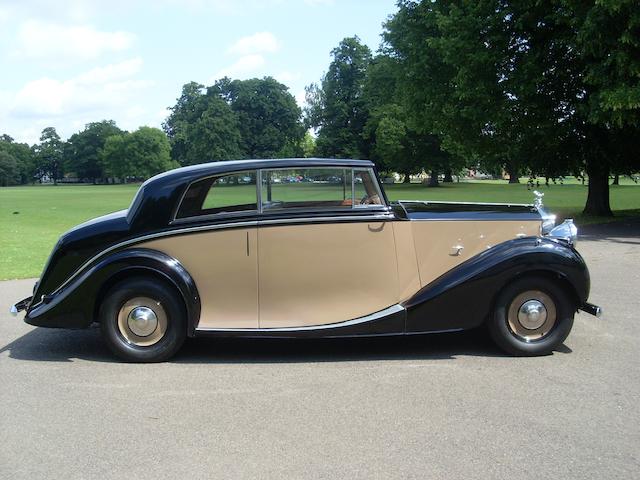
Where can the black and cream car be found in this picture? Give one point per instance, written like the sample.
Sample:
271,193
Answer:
308,248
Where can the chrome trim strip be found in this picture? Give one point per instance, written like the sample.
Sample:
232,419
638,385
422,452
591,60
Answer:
204,228
397,308
440,202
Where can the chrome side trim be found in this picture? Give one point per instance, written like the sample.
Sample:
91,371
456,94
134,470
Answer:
397,308
204,228
440,202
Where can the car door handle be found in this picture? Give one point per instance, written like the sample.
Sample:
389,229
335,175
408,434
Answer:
456,250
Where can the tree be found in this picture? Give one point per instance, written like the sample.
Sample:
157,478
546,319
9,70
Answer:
546,86
9,171
268,116
202,127
49,155
141,154
337,107
82,150
23,155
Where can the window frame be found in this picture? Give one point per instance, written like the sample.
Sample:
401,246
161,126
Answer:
210,216
259,211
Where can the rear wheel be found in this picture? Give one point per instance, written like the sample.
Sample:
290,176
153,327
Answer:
532,316
143,320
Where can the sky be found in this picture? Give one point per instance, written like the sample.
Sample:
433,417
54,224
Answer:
67,63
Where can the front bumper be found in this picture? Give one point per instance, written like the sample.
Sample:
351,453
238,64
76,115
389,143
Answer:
592,309
21,305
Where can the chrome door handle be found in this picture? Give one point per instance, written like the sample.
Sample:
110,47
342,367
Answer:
456,250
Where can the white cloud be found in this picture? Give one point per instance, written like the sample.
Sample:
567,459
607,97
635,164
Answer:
241,68
103,87
287,77
260,42
315,3
57,42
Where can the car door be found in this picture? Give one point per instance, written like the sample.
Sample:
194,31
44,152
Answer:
217,244
326,252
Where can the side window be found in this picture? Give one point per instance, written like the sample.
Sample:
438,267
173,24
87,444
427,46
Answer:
306,188
223,194
365,188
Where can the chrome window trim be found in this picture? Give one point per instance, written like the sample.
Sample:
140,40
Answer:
397,308
222,226
376,184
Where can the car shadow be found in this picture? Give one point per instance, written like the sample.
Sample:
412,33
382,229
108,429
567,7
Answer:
53,345
624,231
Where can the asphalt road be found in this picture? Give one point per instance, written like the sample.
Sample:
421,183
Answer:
440,406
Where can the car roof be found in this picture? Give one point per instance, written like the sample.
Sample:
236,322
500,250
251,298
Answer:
193,172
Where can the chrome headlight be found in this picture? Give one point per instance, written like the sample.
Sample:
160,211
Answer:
548,221
566,231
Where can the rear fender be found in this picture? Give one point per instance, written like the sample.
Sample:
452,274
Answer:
77,304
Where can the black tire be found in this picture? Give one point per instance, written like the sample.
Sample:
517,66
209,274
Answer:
169,307
512,340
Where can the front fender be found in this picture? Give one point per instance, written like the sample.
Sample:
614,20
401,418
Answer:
75,306
464,296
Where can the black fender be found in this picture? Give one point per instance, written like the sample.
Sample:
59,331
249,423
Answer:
76,304
463,297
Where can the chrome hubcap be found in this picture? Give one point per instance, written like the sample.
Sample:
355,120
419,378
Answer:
142,321
532,314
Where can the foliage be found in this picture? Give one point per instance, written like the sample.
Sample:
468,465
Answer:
82,150
23,156
141,154
268,116
49,155
234,119
337,107
545,86
9,171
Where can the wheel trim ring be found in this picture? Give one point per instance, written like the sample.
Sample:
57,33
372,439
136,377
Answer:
123,321
519,330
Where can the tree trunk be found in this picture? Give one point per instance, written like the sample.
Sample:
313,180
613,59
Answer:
512,171
433,180
616,179
447,176
407,178
598,196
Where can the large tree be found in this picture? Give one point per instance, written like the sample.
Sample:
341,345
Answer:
82,150
268,116
141,154
337,107
547,85
202,127
49,155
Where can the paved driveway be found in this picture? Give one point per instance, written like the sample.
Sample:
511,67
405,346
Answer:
440,406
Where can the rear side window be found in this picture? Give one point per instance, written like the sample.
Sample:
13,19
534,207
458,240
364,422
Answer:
218,195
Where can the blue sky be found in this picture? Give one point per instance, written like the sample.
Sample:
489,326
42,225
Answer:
67,63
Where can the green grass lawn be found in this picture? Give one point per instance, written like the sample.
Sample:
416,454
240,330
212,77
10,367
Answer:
32,218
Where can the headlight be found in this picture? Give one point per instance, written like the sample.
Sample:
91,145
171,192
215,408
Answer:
566,231
548,221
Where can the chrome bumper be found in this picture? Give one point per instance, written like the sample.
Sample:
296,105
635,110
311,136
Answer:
592,309
21,305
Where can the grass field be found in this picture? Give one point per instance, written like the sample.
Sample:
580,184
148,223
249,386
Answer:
32,218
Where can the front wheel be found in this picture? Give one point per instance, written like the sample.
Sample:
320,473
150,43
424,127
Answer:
143,320
532,316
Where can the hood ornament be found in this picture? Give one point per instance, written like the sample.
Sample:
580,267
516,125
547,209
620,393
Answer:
538,200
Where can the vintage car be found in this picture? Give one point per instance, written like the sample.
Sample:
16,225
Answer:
308,248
